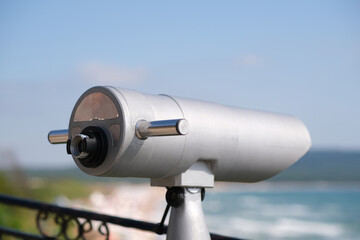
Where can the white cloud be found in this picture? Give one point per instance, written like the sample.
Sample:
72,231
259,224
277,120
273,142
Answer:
250,60
111,74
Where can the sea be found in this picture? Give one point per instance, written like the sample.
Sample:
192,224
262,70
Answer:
314,210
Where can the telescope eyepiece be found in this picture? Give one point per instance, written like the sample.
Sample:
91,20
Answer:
89,147
79,146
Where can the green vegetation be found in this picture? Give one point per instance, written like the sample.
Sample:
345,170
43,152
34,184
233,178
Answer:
16,183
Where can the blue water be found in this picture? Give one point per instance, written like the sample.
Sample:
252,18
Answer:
285,214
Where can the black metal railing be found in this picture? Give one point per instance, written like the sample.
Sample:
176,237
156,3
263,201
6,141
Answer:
75,224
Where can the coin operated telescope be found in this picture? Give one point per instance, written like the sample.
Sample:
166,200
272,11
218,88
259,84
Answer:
179,143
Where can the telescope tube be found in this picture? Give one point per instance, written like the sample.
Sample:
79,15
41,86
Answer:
238,145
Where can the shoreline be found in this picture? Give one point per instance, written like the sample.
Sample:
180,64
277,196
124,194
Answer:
288,186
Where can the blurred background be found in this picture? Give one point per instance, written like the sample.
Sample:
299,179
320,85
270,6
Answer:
296,57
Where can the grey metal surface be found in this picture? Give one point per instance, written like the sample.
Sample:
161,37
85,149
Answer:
58,136
238,145
187,222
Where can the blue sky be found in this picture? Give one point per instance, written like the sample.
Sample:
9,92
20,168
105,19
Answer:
295,57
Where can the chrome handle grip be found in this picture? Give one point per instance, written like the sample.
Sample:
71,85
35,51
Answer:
145,129
58,136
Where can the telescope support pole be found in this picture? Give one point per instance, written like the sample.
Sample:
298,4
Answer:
187,220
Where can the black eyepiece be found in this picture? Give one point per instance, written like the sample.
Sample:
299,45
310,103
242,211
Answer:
89,147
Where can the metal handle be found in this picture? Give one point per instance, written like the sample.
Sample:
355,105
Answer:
145,129
58,136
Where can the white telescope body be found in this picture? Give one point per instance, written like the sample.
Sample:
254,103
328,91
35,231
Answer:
179,143
235,144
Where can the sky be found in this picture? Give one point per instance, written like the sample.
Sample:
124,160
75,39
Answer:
296,57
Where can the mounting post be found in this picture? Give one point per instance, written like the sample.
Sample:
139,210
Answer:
187,220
